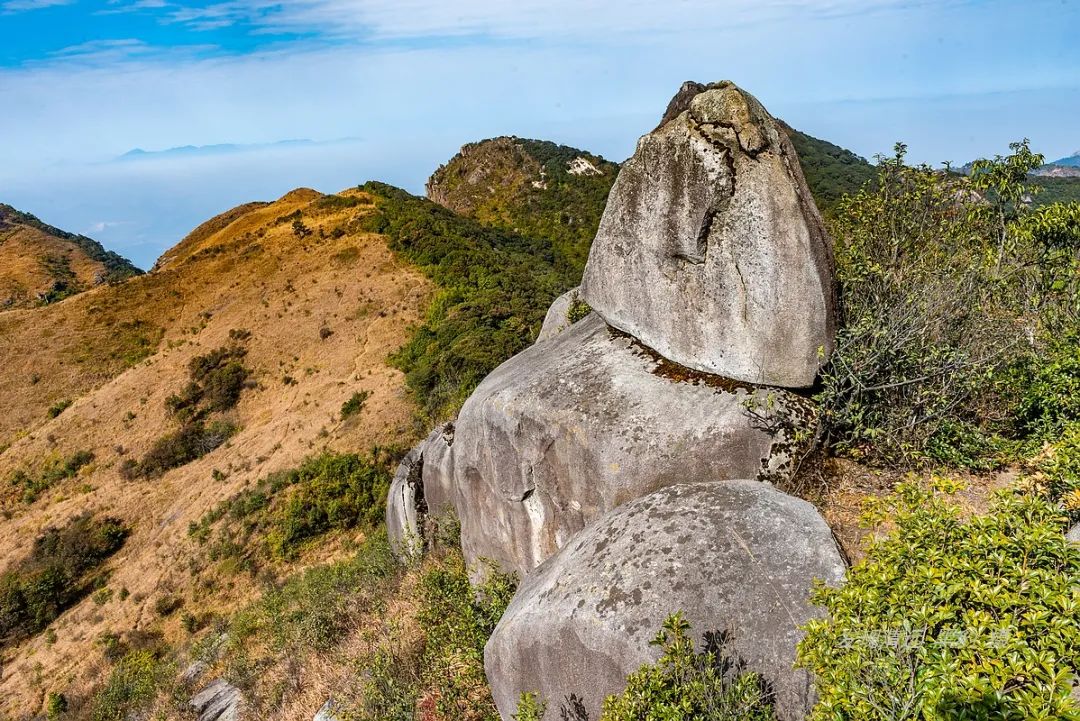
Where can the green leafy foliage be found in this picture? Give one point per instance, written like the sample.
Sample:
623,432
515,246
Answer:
59,407
355,404
217,380
952,618
442,676
284,511
495,289
134,682
57,572
56,469
951,293
690,685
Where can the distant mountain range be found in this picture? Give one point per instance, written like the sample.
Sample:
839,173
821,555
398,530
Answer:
1062,168
223,148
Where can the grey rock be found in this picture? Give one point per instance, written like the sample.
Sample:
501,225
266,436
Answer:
219,701
328,712
193,672
405,506
733,556
711,250
557,318
584,422
1074,534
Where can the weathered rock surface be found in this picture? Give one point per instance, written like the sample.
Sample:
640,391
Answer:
219,701
584,422
736,556
405,506
328,712
711,250
557,318
1074,534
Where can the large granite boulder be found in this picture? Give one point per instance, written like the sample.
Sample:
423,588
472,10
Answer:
711,250
557,319
584,422
405,506
733,556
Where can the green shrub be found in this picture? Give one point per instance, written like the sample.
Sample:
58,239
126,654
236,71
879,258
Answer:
56,705
947,285
952,618
131,687
495,287
355,404
57,572
59,407
193,440
444,676
689,685
331,492
55,470
578,310
1061,471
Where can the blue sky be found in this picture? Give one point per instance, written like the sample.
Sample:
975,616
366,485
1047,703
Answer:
388,89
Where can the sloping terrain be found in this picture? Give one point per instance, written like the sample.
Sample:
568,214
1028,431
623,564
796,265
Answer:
532,187
308,301
41,264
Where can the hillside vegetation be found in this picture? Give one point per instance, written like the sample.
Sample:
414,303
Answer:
202,454
40,264
149,403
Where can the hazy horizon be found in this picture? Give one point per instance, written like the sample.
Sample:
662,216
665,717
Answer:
389,91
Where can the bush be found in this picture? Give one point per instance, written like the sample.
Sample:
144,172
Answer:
54,471
131,687
355,404
59,407
332,492
443,675
947,286
687,685
193,440
495,287
951,617
57,573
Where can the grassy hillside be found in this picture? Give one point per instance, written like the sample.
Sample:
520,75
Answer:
831,171
40,264
533,188
256,349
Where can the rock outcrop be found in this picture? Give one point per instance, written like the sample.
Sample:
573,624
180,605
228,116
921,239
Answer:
584,422
711,250
557,319
1074,534
735,556
405,506
219,701
595,463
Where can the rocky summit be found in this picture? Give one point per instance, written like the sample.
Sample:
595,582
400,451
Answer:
711,250
597,464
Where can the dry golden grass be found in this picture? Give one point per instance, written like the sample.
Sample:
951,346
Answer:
23,275
243,270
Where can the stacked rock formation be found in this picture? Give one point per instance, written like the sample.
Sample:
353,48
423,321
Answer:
622,465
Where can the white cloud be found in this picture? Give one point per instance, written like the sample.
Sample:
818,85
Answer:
14,6
598,20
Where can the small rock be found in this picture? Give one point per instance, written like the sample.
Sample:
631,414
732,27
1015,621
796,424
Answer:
219,701
327,712
193,672
1074,534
